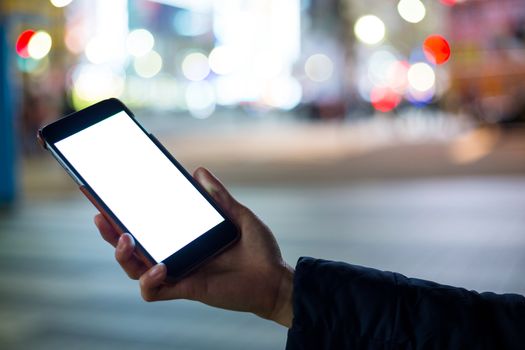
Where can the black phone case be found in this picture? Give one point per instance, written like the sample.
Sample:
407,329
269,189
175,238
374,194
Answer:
180,263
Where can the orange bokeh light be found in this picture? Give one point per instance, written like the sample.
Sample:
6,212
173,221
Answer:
22,42
436,49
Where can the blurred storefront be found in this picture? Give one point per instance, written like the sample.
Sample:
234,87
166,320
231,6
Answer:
334,58
488,69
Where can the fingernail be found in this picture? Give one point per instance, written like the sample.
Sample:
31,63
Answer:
130,239
157,271
125,239
206,181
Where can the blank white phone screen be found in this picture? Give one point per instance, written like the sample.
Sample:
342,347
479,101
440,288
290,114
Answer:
140,185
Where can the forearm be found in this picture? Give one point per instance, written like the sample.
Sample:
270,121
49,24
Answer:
337,305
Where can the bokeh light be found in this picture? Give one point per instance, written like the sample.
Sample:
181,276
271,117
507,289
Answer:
139,42
76,38
412,11
448,2
397,76
379,65
384,99
421,76
223,60
39,45
98,50
420,98
93,83
163,92
319,67
267,66
195,66
436,49
227,90
200,99
60,3
364,85
385,80
369,29
284,92
149,65
22,42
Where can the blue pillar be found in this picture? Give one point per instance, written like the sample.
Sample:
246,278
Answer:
7,128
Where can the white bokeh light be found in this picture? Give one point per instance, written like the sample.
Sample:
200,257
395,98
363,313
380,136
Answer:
39,45
417,96
149,65
369,29
223,60
421,76
227,90
98,50
139,42
195,66
200,99
412,11
379,65
285,93
60,3
319,67
105,28
397,76
97,82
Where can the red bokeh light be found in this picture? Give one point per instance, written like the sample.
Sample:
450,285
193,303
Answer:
436,49
22,42
384,99
448,2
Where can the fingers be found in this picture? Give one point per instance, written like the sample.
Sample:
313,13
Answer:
133,267
154,288
125,246
219,193
107,231
151,283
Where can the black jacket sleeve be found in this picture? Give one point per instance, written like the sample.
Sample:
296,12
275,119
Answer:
342,306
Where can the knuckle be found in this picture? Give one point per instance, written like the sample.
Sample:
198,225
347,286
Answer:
147,295
242,210
133,275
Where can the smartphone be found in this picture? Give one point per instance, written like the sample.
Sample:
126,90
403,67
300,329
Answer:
139,186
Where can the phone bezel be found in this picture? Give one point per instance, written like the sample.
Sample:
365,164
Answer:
185,259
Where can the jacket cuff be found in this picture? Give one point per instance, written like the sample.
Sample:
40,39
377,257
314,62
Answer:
338,305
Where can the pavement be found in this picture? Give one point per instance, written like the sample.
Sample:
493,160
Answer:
60,287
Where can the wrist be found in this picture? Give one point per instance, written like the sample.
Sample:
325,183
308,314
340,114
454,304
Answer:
283,307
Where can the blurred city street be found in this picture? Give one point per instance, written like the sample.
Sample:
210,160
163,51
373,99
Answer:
61,288
383,134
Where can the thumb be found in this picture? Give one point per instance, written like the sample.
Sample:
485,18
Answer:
219,193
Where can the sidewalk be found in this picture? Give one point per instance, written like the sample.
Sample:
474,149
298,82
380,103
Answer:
285,153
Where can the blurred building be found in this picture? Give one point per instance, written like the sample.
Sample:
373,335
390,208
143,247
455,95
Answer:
488,69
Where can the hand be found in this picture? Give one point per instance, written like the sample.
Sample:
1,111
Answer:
249,276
